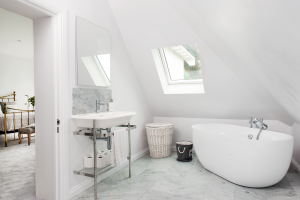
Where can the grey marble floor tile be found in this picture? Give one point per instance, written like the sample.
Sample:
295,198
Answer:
172,180
182,198
297,189
294,178
155,195
139,183
192,191
173,175
163,166
243,193
103,190
116,179
128,193
187,167
283,186
283,195
219,189
198,178
292,169
221,183
165,185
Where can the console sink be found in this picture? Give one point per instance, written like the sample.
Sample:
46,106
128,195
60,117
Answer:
103,119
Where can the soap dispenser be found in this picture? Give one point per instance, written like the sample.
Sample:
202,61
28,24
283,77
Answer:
112,105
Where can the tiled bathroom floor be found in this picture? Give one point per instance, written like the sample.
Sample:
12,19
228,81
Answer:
168,179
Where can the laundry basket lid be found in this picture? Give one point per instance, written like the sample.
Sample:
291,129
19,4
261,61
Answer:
159,125
184,142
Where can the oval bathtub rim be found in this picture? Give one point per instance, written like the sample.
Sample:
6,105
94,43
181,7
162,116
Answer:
287,136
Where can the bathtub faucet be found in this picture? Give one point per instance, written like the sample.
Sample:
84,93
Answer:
251,121
262,126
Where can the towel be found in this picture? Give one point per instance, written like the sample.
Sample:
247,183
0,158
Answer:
119,148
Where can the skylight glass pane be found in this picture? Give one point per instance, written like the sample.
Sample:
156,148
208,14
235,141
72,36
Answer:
183,62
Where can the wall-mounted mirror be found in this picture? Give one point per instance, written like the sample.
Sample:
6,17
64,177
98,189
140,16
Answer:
93,54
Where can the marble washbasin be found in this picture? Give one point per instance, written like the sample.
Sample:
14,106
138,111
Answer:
103,119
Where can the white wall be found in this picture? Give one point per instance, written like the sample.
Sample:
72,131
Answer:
183,126
296,134
17,74
16,57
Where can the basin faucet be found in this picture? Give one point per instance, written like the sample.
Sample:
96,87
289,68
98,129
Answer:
262,126
98,103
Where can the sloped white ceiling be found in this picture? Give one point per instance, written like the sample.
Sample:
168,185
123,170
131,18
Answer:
249,52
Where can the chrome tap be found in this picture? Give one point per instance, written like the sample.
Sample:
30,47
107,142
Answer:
259,124
260,120
98,103
250,122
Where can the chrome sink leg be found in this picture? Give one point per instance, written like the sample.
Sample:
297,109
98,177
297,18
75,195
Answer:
129,150
95,158
108,139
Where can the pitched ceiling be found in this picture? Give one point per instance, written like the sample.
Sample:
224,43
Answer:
249,52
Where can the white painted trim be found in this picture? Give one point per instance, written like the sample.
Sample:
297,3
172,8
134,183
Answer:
89,183
62,83
296,165
167,71
196,88
60,89
41,6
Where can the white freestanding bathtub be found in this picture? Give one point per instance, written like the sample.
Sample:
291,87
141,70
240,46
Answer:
226,151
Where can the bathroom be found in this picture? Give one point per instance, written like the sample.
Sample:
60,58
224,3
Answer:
249,68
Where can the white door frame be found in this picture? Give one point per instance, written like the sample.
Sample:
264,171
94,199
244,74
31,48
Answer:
60,82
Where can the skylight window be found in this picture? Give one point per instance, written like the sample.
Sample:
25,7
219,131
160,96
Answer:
179,65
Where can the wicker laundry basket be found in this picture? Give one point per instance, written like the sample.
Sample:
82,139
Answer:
159,137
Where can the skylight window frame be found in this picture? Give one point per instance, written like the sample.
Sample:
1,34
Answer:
167,72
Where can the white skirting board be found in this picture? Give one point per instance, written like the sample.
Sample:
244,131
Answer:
296,165
89,183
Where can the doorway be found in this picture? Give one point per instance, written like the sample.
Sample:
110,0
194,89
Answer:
50,91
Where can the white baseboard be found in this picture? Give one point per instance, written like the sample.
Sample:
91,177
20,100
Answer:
89,183
296,165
